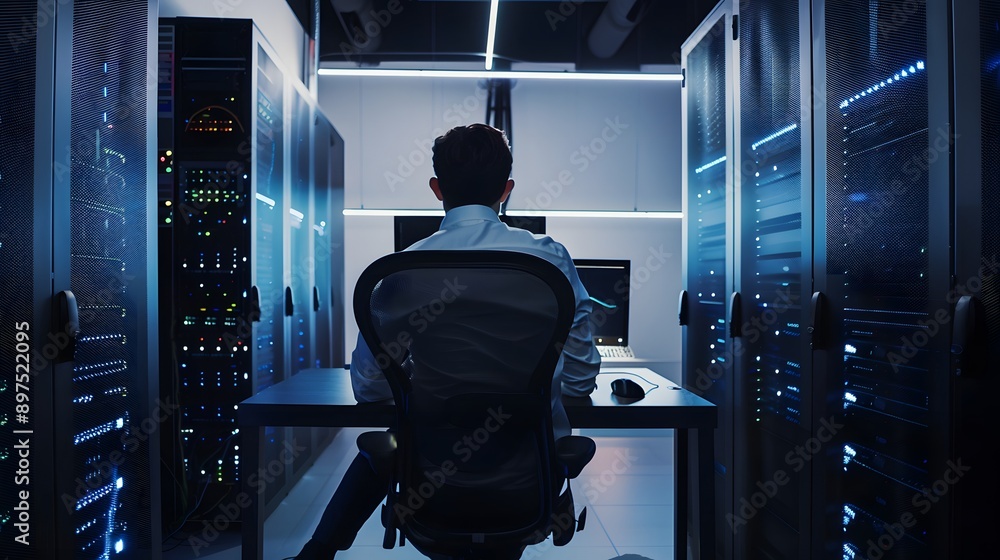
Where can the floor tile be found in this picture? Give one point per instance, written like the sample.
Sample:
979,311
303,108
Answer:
627,488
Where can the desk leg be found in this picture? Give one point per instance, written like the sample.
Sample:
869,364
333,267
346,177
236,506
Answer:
680,493
253,515
706,492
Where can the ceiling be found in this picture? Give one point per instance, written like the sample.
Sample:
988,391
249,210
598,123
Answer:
528,31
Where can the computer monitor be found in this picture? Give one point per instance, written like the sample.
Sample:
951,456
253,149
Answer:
607,282
410,229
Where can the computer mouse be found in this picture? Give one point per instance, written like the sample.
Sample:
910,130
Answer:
628,389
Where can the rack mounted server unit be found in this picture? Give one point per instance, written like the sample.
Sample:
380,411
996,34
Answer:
78,363
841,279
250,232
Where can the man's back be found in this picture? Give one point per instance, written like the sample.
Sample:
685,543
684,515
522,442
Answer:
478,227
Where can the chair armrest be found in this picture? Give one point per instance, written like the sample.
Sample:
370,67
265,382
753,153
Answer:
380,450
573,453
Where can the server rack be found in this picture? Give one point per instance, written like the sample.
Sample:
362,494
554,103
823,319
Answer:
872,201
240,197
884,259
976,290
328,243
76,220
706,160
772,277
876,208
302,265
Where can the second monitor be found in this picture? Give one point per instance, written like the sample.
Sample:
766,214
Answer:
607,283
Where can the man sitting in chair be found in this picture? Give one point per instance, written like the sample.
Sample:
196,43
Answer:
473,165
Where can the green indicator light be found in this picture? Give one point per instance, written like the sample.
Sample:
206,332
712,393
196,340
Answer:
168,220
169,170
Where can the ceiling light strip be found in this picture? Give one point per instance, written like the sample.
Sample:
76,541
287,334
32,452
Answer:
390,212
503,75
597,214
492,34
516,213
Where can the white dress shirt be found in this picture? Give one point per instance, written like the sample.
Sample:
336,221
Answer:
478,227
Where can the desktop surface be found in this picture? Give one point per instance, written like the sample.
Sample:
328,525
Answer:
297,401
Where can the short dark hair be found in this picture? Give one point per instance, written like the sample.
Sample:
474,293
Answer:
472,164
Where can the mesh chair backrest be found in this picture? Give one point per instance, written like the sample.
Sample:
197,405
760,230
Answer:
469,341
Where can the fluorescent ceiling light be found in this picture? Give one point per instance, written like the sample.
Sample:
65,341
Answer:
502,75
390,212
546,213
596,214
492,34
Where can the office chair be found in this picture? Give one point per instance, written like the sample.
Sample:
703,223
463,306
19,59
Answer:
468,341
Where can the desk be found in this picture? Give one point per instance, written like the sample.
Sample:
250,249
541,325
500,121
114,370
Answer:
323,398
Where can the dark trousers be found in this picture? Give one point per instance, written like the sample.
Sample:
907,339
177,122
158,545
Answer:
358,496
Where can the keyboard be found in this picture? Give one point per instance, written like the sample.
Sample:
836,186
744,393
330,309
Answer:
615,351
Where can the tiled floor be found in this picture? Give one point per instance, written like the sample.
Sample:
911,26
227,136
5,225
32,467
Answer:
627,488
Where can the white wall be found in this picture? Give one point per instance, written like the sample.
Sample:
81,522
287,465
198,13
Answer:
615,146
274,18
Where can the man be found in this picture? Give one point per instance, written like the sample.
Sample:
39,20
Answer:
472,166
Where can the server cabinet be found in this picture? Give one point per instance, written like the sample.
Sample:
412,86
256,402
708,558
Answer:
25,252
227,316
302,264
770,515
80,434
270,290
239,210
322,232
975,294
332,247
866,200
328,243
328,254
707,239
301,215
884,260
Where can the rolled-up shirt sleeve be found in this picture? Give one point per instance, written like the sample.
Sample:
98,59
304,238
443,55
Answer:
367,380
581,361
